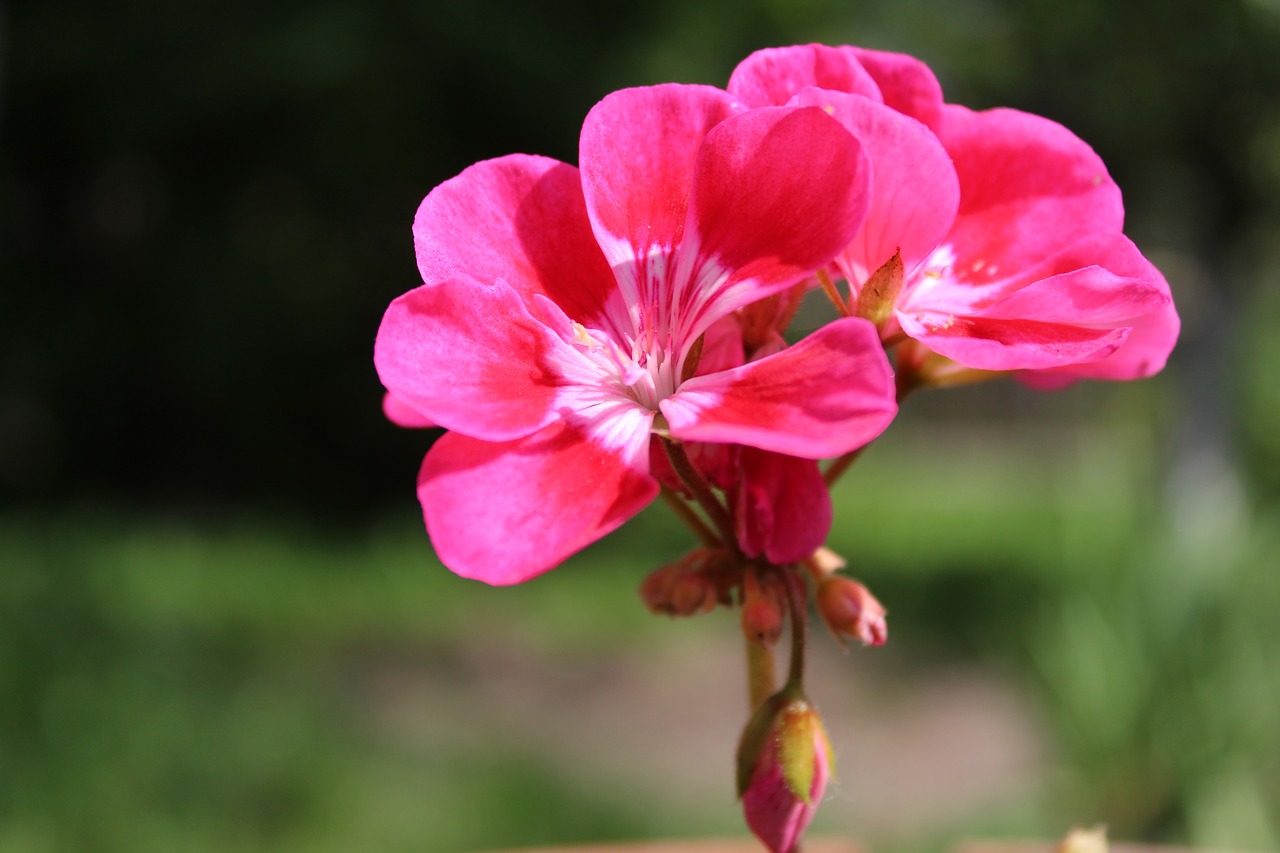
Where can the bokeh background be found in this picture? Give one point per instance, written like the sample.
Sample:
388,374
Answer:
222,628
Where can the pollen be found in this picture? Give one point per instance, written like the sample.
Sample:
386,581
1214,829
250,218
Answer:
580,335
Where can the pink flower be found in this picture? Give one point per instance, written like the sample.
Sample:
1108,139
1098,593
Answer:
558,324
1007,224
786,772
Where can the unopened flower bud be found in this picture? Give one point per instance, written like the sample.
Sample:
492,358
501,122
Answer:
761,609
691,593
784,764
850,610
762,621
685,587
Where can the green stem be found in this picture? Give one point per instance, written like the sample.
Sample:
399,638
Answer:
690,518
833,293
840,465
702,493
797,603
762,679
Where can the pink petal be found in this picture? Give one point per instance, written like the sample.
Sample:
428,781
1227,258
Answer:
637,151
915,192
782,507
520,219
1143,354
402,414
906,84
998,344
828,394
777,193
1088,296
770,77
1155,323
1111,254
503,513
1028,189
1078,307
469,357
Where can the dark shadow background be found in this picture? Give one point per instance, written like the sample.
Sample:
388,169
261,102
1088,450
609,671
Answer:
206,205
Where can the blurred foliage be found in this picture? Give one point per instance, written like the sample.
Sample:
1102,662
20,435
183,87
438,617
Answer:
208,540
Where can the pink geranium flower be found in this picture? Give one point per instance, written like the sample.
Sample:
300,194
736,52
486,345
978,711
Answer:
1008,227
557,329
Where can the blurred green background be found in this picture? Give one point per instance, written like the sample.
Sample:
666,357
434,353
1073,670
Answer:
222,628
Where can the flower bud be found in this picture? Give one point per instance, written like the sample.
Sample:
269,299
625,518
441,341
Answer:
786,767
693,584
850,610
761,609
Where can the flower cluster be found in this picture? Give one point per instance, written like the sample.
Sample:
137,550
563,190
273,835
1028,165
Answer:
593,336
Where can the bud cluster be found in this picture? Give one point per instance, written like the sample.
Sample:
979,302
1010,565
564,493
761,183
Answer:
693,584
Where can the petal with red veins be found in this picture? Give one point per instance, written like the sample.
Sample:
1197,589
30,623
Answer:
1144,353
506,512
783,508
1091,296
777,193
520,219
1028,189
1077,308
914,189
906,84
829,394
1155,323
637,152
771,76
469,357
999,344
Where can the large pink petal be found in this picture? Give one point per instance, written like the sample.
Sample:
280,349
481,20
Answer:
782,506
770,77
1090,296
1144,353
827,395
777,193
915,192
637,152
1154,330
906,84
469,357
1078,308
505,512
1028,189
521,219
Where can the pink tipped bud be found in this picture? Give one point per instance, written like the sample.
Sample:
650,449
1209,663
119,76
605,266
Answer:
850,610
761,608
790,775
